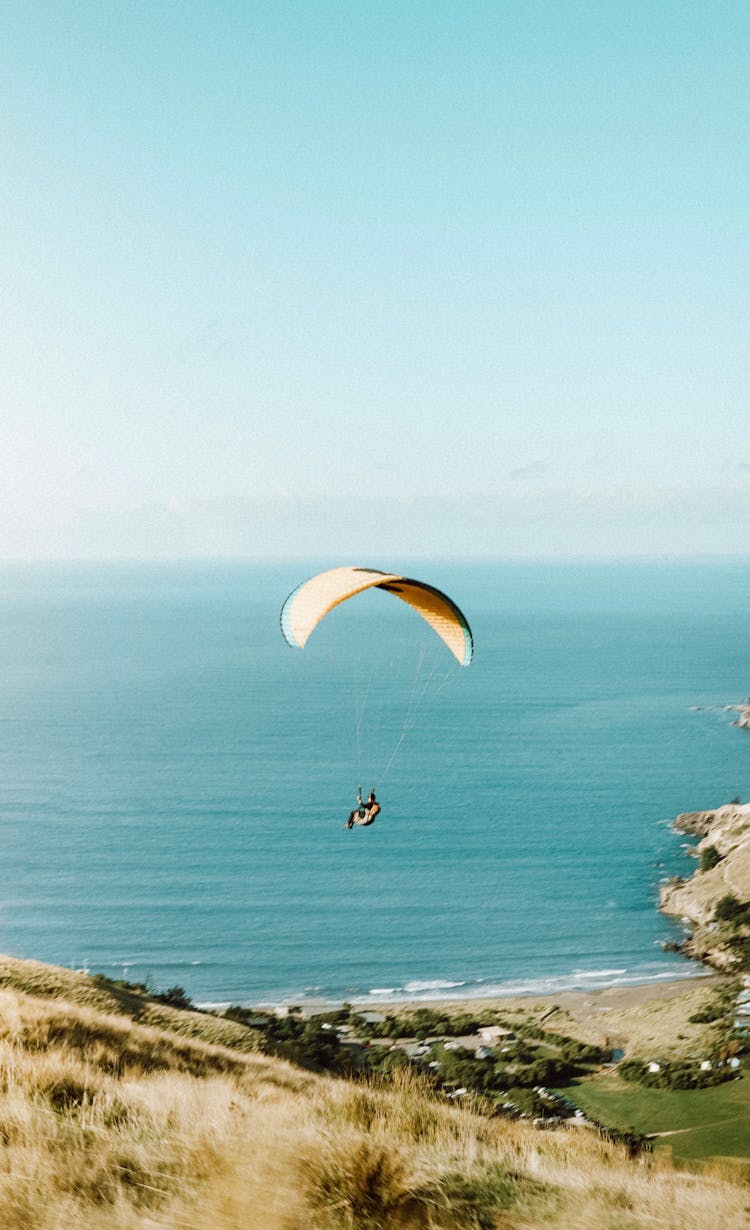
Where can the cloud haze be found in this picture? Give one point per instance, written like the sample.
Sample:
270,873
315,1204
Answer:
471,281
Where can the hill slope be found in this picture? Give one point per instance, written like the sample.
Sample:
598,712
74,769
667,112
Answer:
113,1118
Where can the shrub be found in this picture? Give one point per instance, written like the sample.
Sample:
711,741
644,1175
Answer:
709,858
476,1198
677,1074
581,1052
740,946
176,997
731,909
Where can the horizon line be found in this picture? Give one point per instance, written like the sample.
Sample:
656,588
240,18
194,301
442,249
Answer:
655,557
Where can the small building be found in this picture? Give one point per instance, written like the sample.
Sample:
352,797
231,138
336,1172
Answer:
654,1067
706,1065
414,1050
283,1010
493,1033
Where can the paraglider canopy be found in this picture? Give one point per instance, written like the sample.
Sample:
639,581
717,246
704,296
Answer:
311,601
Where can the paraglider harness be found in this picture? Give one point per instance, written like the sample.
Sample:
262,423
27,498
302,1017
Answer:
365,814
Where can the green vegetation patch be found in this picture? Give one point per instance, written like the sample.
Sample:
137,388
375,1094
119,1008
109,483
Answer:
307,1043
720,1007
477,1197
701,1123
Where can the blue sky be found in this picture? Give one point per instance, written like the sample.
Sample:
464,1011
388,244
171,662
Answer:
369,281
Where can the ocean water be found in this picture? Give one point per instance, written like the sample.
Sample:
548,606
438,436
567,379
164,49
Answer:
175,778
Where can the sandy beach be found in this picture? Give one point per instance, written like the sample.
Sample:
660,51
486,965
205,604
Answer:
637,1018
582,1005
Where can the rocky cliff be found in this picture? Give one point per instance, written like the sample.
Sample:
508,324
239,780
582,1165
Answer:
722,939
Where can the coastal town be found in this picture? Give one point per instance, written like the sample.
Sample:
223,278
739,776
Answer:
522,1062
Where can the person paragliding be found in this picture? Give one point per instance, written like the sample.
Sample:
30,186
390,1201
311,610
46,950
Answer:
311,601
365,812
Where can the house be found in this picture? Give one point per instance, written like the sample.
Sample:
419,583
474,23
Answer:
414,1050
493,1033
283,1010
706,1065
654,1067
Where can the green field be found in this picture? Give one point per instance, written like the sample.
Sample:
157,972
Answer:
703,1123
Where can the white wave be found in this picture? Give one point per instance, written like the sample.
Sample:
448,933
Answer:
597,973
437,984
636,979
581,980
439,989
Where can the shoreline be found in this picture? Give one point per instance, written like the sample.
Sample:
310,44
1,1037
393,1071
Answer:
583,1004
640,1019
615,993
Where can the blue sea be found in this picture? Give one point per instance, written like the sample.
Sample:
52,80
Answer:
176,778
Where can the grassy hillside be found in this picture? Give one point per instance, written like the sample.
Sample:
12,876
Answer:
692,1123
108,1119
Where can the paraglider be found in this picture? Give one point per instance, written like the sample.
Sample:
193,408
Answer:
365,812
311,601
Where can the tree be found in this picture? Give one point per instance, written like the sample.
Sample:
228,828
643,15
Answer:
176,997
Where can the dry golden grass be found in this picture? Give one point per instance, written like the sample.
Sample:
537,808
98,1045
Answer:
56,982
109,1124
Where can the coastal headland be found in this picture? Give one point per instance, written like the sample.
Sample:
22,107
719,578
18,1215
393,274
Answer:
714,902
